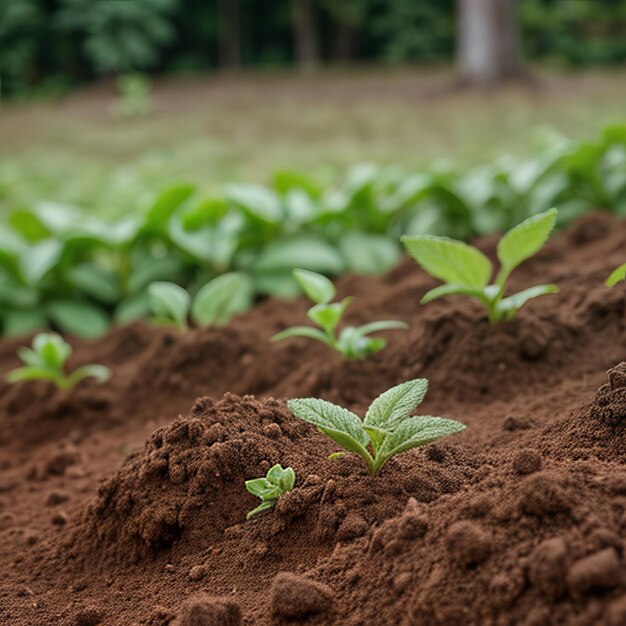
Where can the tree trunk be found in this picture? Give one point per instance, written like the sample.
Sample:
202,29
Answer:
305,34
229,34
344,39
487,40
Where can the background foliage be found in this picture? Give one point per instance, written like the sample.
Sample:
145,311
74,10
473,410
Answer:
49,44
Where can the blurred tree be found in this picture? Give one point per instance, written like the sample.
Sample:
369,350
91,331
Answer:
305,34
348,17
120,35
229,26
487,40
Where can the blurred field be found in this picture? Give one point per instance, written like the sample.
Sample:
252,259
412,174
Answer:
213,130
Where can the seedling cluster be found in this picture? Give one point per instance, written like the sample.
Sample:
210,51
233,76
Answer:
270,488
352,342
46,361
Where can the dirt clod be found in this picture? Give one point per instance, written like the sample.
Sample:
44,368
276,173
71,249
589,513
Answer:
296,597
204,610
597,571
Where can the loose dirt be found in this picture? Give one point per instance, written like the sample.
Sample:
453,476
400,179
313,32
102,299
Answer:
124,504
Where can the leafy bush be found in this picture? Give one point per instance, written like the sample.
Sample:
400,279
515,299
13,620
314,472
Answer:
387,429
466,271
269,489
353,342
46,361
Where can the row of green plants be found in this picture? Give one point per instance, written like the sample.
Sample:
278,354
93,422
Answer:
65,269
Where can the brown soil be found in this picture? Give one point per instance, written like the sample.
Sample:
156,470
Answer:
518,520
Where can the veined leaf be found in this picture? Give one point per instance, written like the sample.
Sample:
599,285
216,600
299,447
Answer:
449,260
317,287
396,404
341,425
525,240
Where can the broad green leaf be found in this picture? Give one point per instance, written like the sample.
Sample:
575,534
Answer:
221,298
16,295
132,308
256,201
395,404
616,276
39,259
96,282
449,260
286,180
170,302
287,479
509,306
257,486
413,432
328,315
207,211
280,284
78,318
366,253
30,372
374,327
341,425
525,240
151,269
317,287
450,290
166,203
100,372
305,252
303,331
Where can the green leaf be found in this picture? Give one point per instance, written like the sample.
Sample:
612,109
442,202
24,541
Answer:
170,302
450,290
413,432
366,253
317,287
258,486
150,269
39,259
306,252
96,282
256,201
52,349
616,276
341,425
328,315
30,372
132,308
395,404
449,260
303,331
523,241
78,318
221,298
165,205
353,344
18,322
100,372
375,327
507,307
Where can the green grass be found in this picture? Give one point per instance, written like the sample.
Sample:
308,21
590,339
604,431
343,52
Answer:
214,130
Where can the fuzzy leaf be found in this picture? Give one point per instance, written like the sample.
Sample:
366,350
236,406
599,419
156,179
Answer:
317,287
169,301
525,240
341,425
395,404
449,260
413,432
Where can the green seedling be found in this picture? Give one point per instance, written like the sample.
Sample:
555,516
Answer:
46,361
616,276
466,271
269,489
353,342
387,429
215,303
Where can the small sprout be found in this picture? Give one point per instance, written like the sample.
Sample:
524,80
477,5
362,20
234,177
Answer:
387,429
353,342
269,489
215,303
46,361
466,271
616,276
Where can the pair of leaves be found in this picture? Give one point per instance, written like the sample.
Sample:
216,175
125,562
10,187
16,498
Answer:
465,270
353,342
270,488
46,361
387,429
215,303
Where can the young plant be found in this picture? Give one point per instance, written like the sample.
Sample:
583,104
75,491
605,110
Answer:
46,361
269,489
616,276
353,342
215,303
387,429
466,271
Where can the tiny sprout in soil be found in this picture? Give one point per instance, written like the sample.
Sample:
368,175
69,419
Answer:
387,429
616,276
466,271
269,489
46,360
353,342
